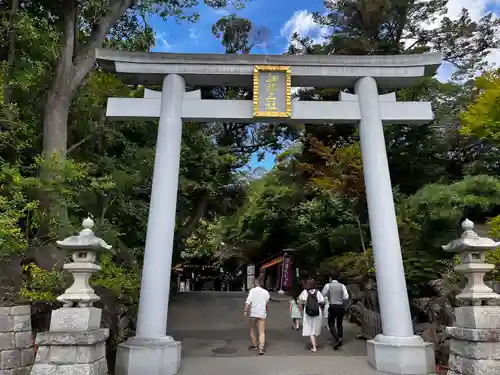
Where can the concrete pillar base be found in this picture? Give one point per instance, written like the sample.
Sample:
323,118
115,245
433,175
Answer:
401,355
138,356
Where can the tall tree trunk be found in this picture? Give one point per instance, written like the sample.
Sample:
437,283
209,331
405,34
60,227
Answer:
73,65
363,245
55,131
190,225
361,237
55,121
55,147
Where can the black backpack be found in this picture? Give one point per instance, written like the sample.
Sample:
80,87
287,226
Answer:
312,304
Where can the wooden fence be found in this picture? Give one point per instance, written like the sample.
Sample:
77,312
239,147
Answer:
371,324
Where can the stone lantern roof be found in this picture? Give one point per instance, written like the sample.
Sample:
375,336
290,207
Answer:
470,240
86,239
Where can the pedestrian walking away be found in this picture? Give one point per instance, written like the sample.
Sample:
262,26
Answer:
295,311
312,302
256,306
182,282
337,296
327,305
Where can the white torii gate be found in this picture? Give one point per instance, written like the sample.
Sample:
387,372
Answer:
397,350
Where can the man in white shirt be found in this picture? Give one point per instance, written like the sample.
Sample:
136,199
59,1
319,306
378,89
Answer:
337,297
256,305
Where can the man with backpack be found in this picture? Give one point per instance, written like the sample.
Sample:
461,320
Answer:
338,296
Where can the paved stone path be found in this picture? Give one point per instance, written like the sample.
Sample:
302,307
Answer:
277,365
207,321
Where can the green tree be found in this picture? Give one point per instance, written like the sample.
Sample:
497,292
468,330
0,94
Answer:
107,172
85,26
79,28
359,27
340,174
239,35
481,119
432,217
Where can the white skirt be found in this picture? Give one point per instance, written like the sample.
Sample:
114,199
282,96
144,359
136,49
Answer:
311,325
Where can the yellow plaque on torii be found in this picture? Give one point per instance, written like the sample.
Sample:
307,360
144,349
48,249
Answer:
272,91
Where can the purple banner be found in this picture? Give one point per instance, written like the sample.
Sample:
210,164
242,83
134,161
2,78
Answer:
287,272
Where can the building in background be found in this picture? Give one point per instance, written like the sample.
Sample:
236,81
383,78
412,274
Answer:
278,271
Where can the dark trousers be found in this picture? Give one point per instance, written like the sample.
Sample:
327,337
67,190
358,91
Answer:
335,320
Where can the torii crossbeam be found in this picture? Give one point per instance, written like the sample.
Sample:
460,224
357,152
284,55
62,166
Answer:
195,109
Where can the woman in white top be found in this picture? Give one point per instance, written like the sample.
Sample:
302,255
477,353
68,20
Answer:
313,302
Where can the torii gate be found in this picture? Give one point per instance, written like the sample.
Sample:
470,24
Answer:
397,350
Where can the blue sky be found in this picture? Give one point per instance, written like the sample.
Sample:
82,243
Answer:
273,14
282,18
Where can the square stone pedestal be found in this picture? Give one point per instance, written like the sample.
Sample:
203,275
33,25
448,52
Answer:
475,351
138,356
71,352
397,357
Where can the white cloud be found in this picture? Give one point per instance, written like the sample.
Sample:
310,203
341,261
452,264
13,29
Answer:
302,22
193,34
221,12
494,57
162,42
476,8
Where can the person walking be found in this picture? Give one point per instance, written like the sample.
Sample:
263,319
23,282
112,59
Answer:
182,282
337,296
313,301
256,306
295,311
327,305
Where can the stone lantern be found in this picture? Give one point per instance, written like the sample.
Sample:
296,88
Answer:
84,248
475,339
75,342
472,249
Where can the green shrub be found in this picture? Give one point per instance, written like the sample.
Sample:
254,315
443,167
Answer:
353,267
494,255
44,285
123,282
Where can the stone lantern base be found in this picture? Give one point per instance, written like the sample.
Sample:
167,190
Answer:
65,353
475,341
475,338
74,345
